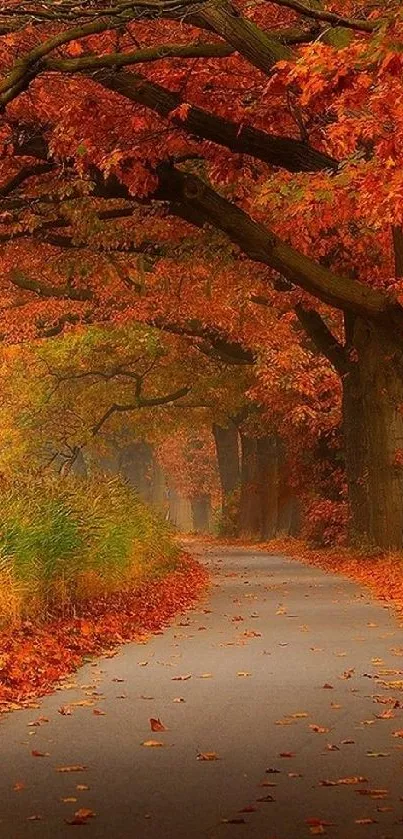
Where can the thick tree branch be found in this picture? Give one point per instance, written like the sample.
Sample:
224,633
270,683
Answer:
286,152
260,244
323,338
23,175
21,280
144,56
225,347
327,17
139,403
260,48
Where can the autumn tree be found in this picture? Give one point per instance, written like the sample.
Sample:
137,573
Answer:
273,126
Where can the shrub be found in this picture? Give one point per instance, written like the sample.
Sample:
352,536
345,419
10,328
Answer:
66,540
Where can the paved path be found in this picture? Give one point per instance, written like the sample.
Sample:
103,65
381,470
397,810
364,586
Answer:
259,650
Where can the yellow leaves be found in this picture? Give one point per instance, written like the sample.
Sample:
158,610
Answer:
243,673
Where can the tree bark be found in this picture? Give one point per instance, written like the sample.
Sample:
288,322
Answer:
373,429
227,449
268,485
249,507
201,513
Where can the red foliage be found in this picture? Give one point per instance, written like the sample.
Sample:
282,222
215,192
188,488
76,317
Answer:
35,656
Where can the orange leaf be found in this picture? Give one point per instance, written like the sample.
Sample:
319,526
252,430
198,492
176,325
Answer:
157,725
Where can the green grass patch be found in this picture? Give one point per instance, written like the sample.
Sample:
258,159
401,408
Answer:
63,541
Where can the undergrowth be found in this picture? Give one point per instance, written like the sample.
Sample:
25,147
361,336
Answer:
65,541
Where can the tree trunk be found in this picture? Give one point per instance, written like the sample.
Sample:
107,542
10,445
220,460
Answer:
180,512
201,512
373,426
268,485
249,508
227,448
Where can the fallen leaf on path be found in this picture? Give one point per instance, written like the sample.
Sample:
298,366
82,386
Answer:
243,673
265,799
69,800
248,809
365,821
65,711
348,674
82,787
18,786
386,715
378,754
35,818
319,729
208,756
317,830
287,754
157,725
84,813
273,771
152,743
182,678
178,699
318,823
76,767
398,733
35,753
332,748
373,793
206,676
344,782
38,722
327,686
347,742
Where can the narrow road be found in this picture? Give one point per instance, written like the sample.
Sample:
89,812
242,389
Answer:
284,673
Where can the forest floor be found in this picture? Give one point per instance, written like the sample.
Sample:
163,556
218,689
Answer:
281,696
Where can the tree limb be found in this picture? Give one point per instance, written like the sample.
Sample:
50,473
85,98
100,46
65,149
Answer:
327,17
18,278
293,155
139,403
262,245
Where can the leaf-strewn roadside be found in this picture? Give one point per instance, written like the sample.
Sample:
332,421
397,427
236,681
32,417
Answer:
382,573
36,655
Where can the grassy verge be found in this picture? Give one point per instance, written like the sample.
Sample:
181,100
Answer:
84,565
65,542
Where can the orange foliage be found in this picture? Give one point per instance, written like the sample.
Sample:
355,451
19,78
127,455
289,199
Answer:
35,656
